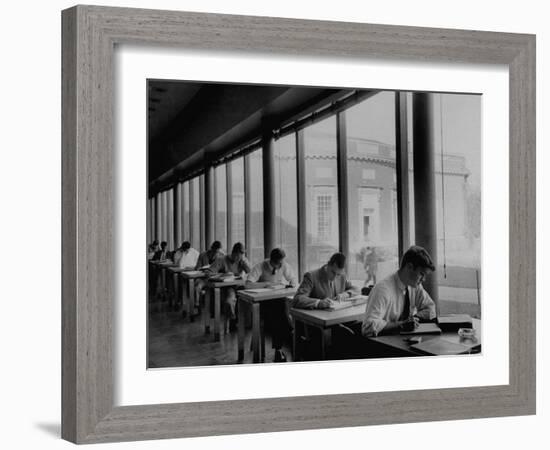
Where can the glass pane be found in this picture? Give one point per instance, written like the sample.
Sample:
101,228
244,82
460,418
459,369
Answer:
372,189
185,209
237,201
457,136
255,248
321,192
286,203
170,218
196,232
221,205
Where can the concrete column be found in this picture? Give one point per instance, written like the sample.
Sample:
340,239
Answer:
209,203
268,161
342,180
424,182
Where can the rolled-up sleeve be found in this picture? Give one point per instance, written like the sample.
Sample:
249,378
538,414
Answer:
302,298
255,273
424,304
373,321
289,275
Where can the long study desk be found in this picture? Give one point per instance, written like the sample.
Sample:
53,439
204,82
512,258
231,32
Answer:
214,287
445,343
255,297
324,320
188,296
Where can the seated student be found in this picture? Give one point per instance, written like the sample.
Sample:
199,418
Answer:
152,249
320,288
275,270
207,258
187,259
399,301
162,253
236,263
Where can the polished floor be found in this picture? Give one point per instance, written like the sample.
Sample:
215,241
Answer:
175,341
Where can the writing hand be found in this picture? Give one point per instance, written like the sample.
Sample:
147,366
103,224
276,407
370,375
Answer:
326,303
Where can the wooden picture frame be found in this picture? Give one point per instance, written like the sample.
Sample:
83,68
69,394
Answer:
89,35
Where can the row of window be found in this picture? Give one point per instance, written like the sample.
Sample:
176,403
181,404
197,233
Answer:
371,195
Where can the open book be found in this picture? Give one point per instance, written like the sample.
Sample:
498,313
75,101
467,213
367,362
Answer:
266,289
352,301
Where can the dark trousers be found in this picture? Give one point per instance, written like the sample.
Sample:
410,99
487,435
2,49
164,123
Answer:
276,321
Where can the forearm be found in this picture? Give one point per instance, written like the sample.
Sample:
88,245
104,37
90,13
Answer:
304,302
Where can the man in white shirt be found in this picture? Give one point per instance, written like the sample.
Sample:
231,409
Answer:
187,257
399,301
275,270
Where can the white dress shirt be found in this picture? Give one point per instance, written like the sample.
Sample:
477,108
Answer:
188,258
387,301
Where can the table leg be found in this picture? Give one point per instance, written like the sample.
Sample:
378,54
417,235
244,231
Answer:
262,340
176,288
207,310
191,300
294,338
256,332
240,337
217,306
185,296
326,337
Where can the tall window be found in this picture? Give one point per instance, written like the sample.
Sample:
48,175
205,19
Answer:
372,204
286,215
457,137
185,208
256,203
221,205
196,219
237,200
321,185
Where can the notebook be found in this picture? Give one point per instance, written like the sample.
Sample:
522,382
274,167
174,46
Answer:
424,328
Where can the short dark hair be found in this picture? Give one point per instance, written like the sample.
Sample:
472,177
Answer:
277,254
338,259
156,242
418,257
216,245
238,248
163,244
186,245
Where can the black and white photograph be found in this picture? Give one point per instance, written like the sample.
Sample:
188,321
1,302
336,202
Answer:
301,223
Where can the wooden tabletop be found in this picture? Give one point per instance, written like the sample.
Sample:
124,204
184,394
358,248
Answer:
192,274
220,284
264,294
398,341
326,318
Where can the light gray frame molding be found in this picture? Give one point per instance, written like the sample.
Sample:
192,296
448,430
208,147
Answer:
89,36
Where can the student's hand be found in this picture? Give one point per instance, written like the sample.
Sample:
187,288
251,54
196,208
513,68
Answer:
326,303
410,324
342,297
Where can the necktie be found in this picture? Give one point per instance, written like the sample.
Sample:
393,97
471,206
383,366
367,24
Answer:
406,307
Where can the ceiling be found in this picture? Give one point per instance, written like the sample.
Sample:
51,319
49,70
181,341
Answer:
192,123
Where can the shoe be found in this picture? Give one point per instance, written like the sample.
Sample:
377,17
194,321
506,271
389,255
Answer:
280,357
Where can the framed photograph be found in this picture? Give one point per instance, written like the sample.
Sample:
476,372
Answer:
316,200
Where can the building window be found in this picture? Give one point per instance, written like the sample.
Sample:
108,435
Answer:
369,174
323,172
324,217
